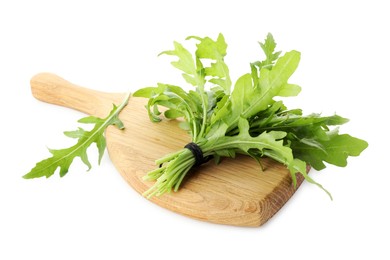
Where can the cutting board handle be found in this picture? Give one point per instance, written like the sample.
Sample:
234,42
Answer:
53,89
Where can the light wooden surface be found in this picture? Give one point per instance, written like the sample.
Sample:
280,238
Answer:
236,192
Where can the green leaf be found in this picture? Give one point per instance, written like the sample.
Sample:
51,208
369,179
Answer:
186,64
90,120
299,167
63,158
172,114
289,90
178,102
146,92
277,78
248,100
210,49
79,133
245,142
271,83
268,47
335,150
215,51
293,122
229,110
101,145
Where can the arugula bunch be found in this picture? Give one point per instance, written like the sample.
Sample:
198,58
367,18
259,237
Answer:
246,120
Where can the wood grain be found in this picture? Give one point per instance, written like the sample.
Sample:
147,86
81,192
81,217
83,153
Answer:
236,192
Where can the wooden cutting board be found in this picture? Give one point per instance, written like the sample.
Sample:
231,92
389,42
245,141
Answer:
236,192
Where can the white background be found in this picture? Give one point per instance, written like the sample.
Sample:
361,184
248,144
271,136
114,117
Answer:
113,46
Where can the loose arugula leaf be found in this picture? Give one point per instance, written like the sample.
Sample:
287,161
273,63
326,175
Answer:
63,158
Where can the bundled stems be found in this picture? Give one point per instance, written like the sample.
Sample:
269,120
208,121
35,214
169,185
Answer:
170,175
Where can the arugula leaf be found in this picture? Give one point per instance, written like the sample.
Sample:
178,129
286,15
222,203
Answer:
186,63
63,158
268,48
247,100
215,51
245,142
335,150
